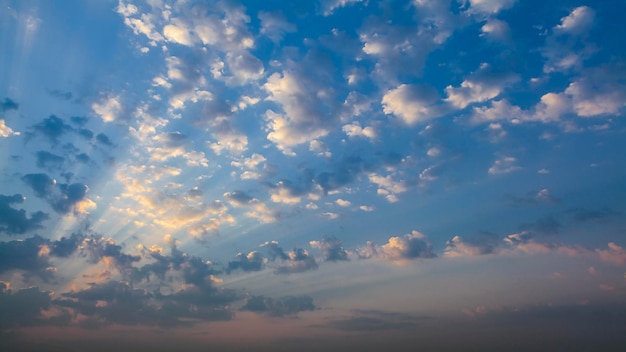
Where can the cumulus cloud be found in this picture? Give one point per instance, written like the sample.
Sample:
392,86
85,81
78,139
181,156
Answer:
6,131
109,108
307,100
16,221
295,261
484,84
399,248
614,254
471,247
490,6
331,249
274,25
253,261
496,29
578,21
504,165
413,103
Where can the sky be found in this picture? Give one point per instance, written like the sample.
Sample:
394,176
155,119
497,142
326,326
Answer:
312,175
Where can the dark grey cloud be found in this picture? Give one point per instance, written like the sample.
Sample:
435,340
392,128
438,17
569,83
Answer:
284,306
587,215
173,139
83,158
253,261
238,198
63,95
98,247
52,127
86,133
299,260
79,120
481,244
275,251
46,159
15,221
375,320
331,249
62,197
71,194
25,255
343,171
23,308
104,139
546,225
532,198
41,184
8,104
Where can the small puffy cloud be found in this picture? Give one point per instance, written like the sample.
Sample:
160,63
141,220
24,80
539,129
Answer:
399,248
108,108
253,261
6,131
599,91
343,203
178,32
331,249
320,148
53,128
274,25
504,165
484,84
490,6
615,254
329,6
412,103
472,247
8,104
367,208
249,166
578,21
496,29
295,261
306,102
354,130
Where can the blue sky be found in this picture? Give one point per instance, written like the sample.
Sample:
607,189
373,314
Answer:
341,173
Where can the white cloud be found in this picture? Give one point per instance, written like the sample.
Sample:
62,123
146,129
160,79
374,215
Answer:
275,26
308,102
496,29
504,165
412,103
329,6
578,21
178,33
615,254
108,109
496,110
343,203
490,6
6,131
367,208
482,85
399,248
355,130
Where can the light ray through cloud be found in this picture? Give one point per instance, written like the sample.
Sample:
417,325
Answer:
321,175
